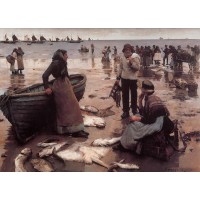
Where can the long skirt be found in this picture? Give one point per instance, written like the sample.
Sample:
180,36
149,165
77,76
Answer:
138,130
20,63
13,67
68,113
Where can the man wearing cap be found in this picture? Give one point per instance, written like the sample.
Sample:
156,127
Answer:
153,118
127,73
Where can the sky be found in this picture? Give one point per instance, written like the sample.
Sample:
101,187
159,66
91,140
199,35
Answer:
104,33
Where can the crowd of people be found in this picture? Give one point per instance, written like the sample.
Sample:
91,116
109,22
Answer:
155,55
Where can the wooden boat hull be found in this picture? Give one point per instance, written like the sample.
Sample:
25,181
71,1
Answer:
9,42
37,42
30,109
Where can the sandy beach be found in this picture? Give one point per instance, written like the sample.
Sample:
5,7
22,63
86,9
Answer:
182,105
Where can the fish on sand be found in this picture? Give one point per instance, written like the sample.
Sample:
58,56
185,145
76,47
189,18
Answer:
122,165
42,165
91,109
46,144
94,121
80,153
48,150
106,141
21,158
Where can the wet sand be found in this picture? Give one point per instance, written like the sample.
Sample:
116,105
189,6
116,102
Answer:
183,106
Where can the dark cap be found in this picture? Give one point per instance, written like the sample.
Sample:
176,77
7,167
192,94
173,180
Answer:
147,86
128,46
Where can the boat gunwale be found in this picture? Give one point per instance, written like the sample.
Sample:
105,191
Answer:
42,93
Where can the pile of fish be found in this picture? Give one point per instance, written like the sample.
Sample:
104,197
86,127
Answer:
80,153
77,152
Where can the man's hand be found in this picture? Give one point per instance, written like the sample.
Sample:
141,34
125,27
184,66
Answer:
129,60
48,91
135,118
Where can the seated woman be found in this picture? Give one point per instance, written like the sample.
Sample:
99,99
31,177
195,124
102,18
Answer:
153,118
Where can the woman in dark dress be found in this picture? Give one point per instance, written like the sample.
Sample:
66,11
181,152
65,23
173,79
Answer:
68,114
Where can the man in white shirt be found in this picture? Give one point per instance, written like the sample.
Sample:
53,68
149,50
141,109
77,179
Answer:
127,73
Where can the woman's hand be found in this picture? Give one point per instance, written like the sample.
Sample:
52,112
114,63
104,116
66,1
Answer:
48,91
135,118
141,96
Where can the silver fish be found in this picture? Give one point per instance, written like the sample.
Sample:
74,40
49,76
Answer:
79,153
124,165
49,150
21,158
94,121
42,165
46,144
105,142
91,109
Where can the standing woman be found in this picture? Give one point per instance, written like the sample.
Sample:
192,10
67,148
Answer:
20,62
68,114
13,67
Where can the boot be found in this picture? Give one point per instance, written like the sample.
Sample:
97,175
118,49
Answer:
80,134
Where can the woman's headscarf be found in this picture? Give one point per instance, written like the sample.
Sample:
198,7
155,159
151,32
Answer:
58,55
62,64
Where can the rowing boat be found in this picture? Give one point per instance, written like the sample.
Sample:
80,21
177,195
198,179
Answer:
30,109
